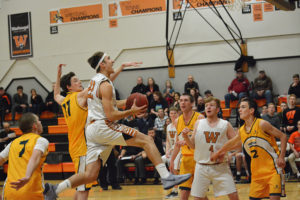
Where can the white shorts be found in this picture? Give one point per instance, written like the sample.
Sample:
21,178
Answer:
220,176
101,136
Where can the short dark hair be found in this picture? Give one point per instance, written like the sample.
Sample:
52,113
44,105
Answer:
192,100
296,76
262,72
207,92
1,88
150,129
26,122
66,81
252,104
20,87
94,60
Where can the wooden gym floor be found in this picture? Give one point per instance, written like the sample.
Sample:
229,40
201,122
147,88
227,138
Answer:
156,192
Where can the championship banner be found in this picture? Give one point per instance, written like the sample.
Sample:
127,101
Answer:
76,14
198,3
20,39
139,7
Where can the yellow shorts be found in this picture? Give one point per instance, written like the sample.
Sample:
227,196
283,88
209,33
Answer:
79,164
187,165
267,187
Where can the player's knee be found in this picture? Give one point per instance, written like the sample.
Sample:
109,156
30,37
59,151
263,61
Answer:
90,177
148,140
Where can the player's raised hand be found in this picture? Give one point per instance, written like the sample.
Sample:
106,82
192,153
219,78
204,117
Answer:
59,68
132,64
20,183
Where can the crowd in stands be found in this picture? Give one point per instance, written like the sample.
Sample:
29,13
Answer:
155,121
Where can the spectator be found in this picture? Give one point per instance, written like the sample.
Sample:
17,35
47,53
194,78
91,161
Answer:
295,88
264,110
6,136
128,155
144,122
157,103
51,104
176,101
200,104
207,94
237,89
191,84
4,105
271,116
36,103
151,88
140,87
19,103
159,123
262,87
283,106
294,141
291,116
169,92
194,94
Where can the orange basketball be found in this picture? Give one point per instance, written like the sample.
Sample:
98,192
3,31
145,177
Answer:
140,100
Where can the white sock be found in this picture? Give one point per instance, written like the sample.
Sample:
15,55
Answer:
238,173
63,186
162,170
247,173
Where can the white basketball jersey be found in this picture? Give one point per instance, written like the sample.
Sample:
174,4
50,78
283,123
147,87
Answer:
171,135
95,107
209,139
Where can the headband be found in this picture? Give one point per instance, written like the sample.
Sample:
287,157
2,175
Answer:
100,61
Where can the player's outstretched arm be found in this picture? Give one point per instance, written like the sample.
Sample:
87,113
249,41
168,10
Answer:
31,166
106,94
268,128
229,145
120,69
57,97
121,103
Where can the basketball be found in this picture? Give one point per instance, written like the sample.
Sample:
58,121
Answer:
141,100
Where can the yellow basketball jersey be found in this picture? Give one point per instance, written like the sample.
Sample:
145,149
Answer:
19,154
75,117
185,150
263,150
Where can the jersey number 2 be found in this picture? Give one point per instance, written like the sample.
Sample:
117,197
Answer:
24,142
255,153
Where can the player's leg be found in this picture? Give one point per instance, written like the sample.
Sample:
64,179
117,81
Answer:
201,182
276,187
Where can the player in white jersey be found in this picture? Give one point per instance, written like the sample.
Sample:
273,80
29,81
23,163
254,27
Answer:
102,132
209,135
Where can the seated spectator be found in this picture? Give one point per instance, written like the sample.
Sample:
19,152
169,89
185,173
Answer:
4,105
36,103
144,122
128,155
262,87
6,136
194,94
295,88
176,101
151,88
51,104
19,102
200,104
168,92
191,84
294,141
140,87
237,89
272,116
291,116
283,106
157,103
264,110
159,123
207,94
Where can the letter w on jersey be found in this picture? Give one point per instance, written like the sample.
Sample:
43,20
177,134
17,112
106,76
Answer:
20,41
211,137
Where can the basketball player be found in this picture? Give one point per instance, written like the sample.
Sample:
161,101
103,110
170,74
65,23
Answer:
211,134
258,139
185,121
102,132
26,156
170,143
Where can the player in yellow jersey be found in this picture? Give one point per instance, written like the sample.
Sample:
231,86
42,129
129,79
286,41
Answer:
258,138
26,156
185,123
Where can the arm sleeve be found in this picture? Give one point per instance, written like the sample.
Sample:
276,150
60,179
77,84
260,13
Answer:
5,152
41,144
